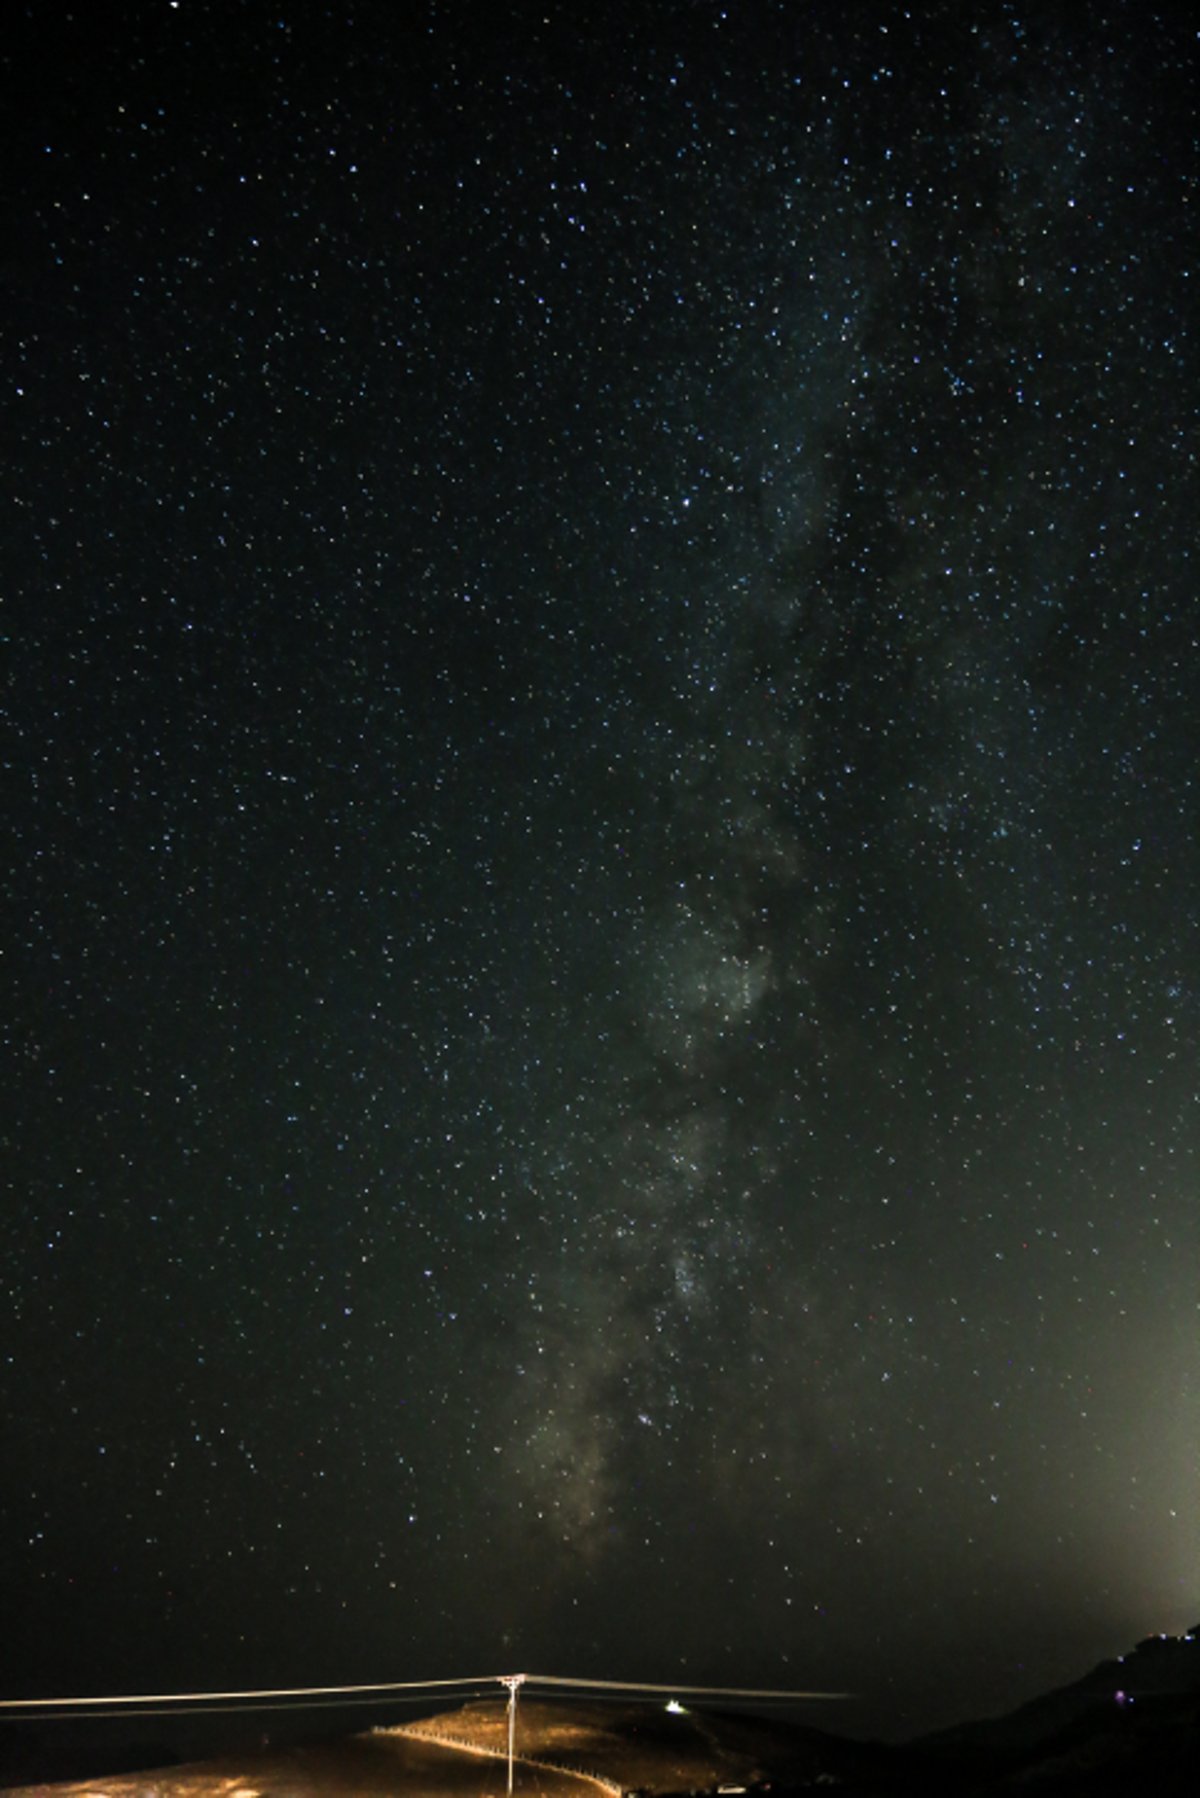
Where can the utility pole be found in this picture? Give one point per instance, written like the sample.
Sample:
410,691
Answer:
513,1681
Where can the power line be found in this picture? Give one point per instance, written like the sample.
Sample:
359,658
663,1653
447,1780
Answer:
168,1703
633,1685
411,1685
297,1707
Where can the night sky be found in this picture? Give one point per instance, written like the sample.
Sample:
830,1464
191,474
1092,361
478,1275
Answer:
601,894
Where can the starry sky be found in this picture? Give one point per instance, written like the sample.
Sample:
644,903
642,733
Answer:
600,1004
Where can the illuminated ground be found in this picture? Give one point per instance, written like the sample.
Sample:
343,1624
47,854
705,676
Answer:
593,1748
633,1746
357,1767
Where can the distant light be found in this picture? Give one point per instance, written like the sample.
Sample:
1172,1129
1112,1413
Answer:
676,1708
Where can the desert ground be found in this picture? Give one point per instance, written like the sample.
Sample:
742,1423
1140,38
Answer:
368,1766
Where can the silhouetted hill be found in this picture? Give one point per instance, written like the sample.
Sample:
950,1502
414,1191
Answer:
1158,1666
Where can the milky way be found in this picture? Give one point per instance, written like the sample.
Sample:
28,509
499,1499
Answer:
602,918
